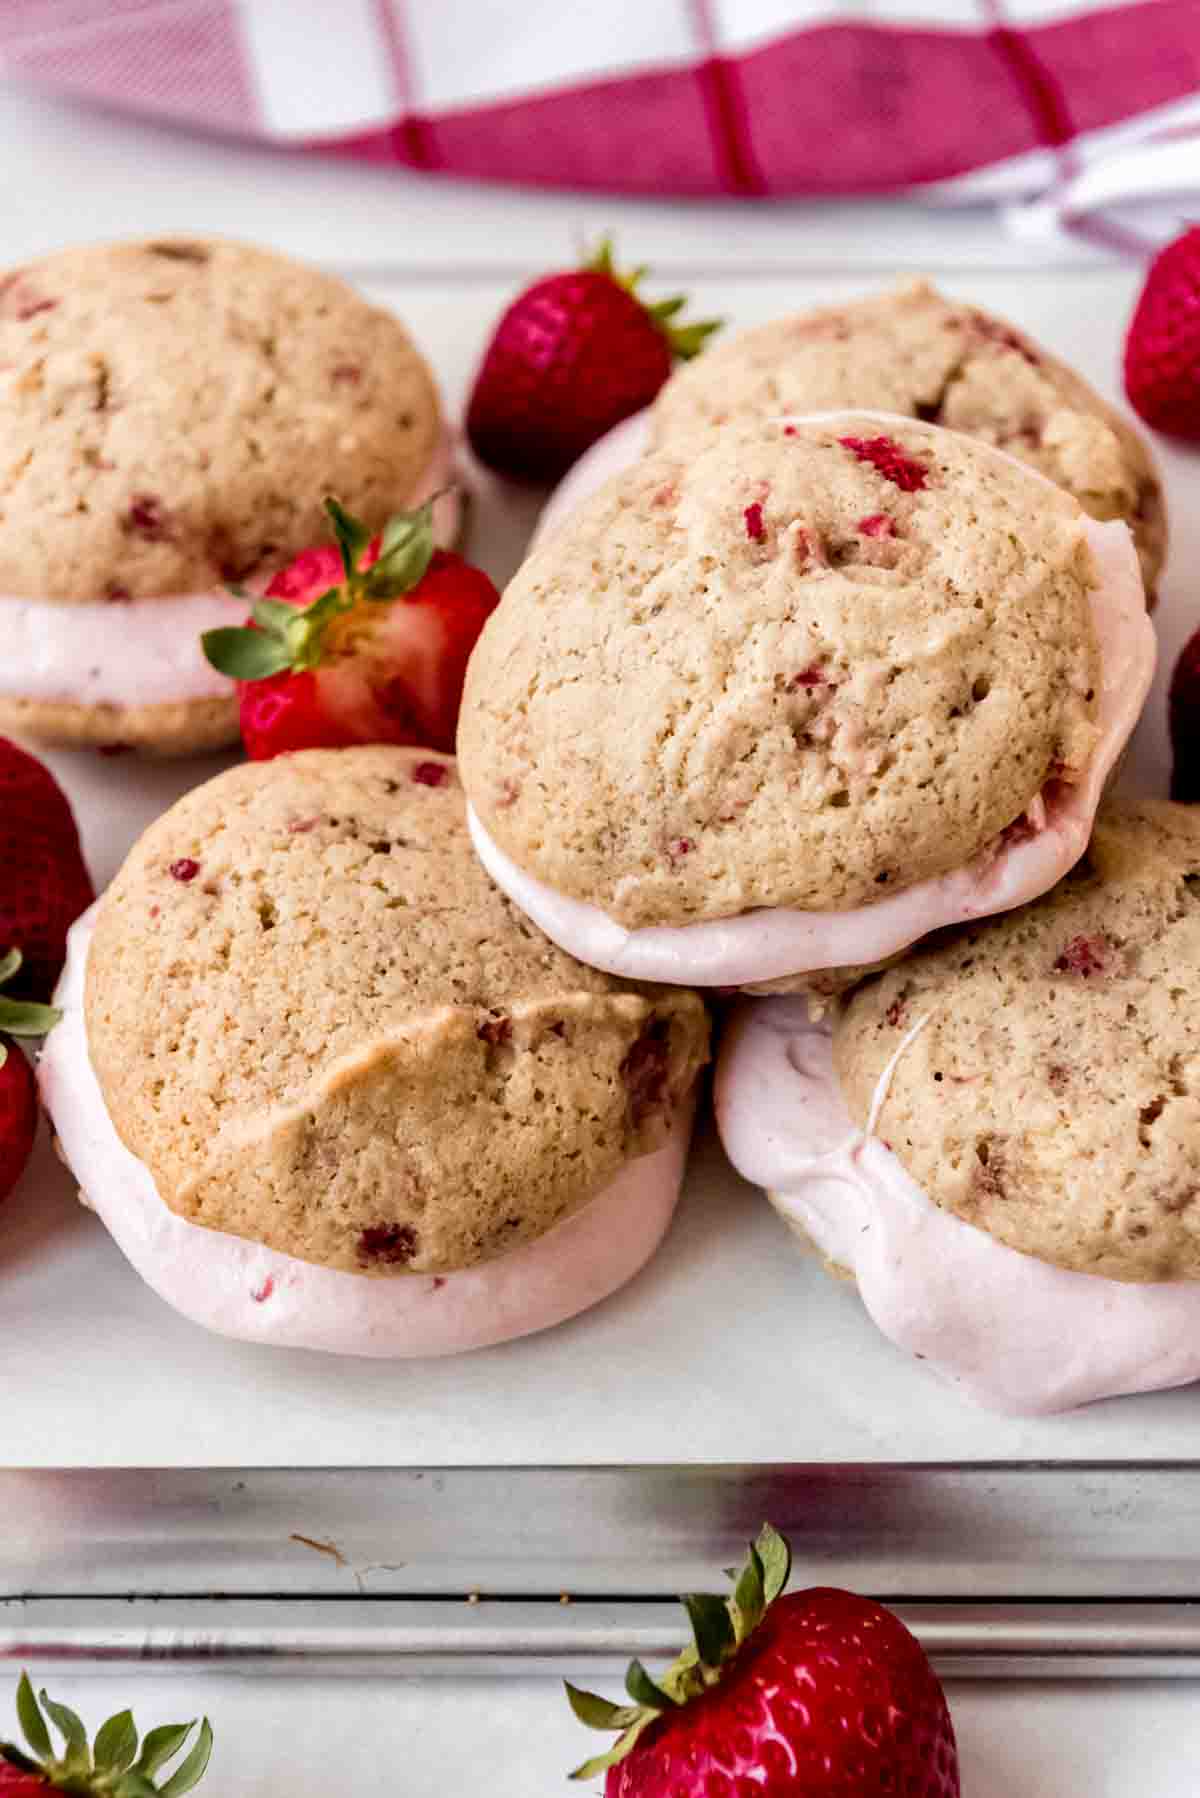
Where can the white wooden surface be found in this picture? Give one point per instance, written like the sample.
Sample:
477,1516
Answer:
515,1738
95,1369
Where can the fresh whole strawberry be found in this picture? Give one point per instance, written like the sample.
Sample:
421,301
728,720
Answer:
573,355
18,1095
1183,718
44,884
116,1765
1162,350
367,642
817,1695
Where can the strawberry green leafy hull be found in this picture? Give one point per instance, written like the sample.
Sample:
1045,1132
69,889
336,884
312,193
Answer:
365,642
116,1765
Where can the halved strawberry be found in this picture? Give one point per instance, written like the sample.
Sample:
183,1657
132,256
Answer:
365,642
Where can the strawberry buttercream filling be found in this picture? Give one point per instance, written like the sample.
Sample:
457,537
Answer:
1035,852
137,652
242,1289
1016,1333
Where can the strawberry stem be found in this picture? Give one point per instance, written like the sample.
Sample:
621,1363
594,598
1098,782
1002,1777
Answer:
686,340
112,1768
719,1625
291,639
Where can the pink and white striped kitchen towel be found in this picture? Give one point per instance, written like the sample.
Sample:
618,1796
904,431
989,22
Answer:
1079,109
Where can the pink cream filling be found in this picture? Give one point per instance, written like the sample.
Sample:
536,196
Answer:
773,944
1015,1333
147,651
255,1294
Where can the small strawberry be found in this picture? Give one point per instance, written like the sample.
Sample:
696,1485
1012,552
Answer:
816,1695
1183,718
18,1095
573,355
1162,350
112,1768
44,884
367,642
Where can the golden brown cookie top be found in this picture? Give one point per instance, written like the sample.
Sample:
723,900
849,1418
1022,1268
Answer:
1052,1097
321,1027
798,664
174,410
911,350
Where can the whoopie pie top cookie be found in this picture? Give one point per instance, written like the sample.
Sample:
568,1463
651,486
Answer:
800,666
174,412
1050,1093
910,350
321,1028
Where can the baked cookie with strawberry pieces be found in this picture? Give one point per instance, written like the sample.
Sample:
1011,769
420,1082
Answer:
174,411
808,691
115,1765
912,351
780,1694
365,642
999,1139
327,1088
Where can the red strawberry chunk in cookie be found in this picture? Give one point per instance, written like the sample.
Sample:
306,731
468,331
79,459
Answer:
19,299
147,518
756,530
877,525
392,1244
494,1031
891,460
1085,956
644,1071
808,679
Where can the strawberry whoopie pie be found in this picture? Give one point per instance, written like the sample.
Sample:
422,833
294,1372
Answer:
765,711
328,1089
999,1139
910,351
174,412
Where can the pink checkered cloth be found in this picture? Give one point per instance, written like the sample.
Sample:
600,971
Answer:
1087,113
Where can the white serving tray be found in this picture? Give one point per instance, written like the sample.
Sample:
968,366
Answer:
730,1347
